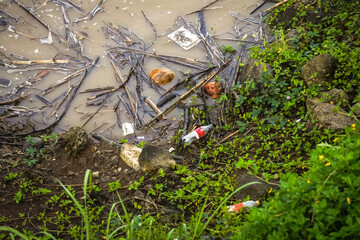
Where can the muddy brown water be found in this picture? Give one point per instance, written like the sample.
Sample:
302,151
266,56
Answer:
26,38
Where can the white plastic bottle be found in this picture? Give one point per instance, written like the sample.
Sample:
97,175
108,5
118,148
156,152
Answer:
196,134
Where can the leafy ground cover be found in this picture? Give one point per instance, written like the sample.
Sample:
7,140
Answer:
318,193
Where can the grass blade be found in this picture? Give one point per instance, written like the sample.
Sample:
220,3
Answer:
14,231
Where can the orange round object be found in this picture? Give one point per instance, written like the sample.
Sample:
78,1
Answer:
162,75
213,89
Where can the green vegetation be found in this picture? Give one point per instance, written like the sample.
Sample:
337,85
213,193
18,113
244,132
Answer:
322,202
318,194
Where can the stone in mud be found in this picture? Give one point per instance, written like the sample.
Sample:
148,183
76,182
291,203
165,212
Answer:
325,115
213,89
334,96
162,75
129,153
319,70
356,108
254,191
76,140
291,37
253,70
153,158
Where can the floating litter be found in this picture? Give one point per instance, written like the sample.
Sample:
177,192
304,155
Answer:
127,128
184,38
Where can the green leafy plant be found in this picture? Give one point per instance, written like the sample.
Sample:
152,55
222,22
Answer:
321,203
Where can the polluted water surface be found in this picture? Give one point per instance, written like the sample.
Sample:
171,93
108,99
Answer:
87,63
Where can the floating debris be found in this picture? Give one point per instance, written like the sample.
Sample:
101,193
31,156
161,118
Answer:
213,89
5,82
185,38
162,75
128,128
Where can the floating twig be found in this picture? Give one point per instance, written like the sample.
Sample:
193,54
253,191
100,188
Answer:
117,72
243,19
71,76
189,62
29,82
52,61
12,101
92,115
151,24
43,100
97,89
29,11
260,5
153,106
276,6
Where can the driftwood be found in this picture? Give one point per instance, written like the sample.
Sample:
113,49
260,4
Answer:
68,3
118,74
214,54
261,4
203,8
102,138
151,24
12,101
276,6
243,19
92,13
68,78
153,106
52,61
10,16
92,115
43,100
62,101
65,15
29,82
185,95
189,62
97,89
65,110
33,15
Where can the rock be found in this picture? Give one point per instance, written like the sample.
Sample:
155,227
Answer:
129,153
162,75
319,70
327,117
96,174
114,158
139,194
255,191
213,89
253,69
168,215
334,96
356,108
70,173
76,140
292,36
153,158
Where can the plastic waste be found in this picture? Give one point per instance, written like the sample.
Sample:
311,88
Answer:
127,128
185,38
196,134
243,206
